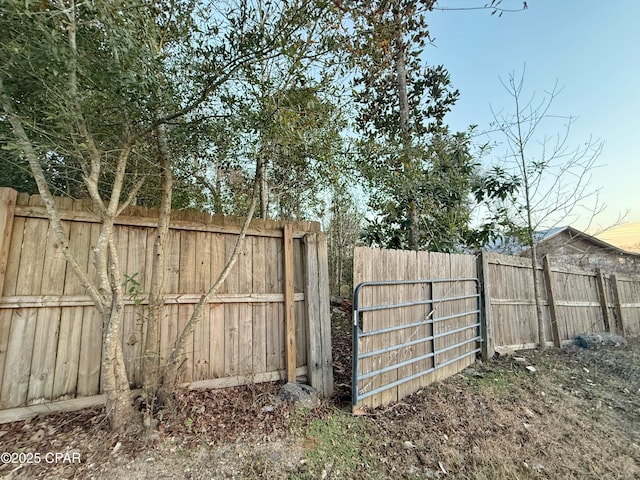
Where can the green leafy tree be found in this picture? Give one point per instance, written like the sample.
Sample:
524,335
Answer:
62,63
419,172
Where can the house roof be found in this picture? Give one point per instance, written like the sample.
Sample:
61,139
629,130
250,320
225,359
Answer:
542,237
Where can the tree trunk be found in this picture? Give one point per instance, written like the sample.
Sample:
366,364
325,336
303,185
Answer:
537,280
156,299
106,293
115,384
120,411
264,187
403,103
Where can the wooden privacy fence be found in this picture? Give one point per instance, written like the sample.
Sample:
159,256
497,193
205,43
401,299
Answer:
398,340
270,315
575,301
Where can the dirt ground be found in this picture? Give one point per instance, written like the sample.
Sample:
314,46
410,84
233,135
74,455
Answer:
570,413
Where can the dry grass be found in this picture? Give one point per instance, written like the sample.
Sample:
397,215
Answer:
571,418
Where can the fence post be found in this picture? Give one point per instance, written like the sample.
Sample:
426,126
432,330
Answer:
486,320
289,306
316,297
604,303
553,313
325,314
618,304
7,209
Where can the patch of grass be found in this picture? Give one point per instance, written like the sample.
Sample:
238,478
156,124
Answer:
497,383
337,445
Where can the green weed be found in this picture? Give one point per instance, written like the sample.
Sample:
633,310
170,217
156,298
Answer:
337,445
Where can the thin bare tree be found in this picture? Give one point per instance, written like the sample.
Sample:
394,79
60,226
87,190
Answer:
556,187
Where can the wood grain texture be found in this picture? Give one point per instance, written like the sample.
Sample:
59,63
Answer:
7,208
289,307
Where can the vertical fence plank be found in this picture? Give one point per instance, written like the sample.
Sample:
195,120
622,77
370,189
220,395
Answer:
10,266
388,269
45,350
364,260
30,357
5,331
168,330
551,296
216,311
620,327
604,302
245,322
133,324
325,317
289,307
68,356
127,325
91,334
13,260
231,317
425,331
312,302
89,363
187,284
300,316
316,290
629,293
7,208
17,367
275,325
407,269
376,269
486,317
259,285
201,340
440,268
68,328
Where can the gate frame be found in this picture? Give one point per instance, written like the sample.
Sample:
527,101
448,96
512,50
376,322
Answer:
358,333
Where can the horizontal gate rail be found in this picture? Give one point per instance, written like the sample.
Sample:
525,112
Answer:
358,333
394,366
412,304
417,324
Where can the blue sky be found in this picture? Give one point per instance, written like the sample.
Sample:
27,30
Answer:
590,47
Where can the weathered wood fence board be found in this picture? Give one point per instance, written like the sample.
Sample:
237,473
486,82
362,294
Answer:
626,298
51,335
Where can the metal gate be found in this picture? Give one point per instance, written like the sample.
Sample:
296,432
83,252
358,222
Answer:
410,333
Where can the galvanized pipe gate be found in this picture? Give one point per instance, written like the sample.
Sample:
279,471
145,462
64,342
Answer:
415,335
